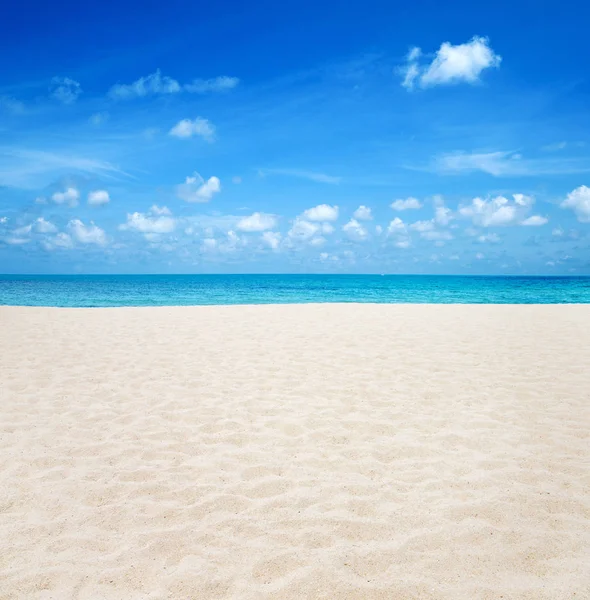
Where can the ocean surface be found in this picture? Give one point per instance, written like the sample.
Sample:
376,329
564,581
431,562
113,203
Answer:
183,290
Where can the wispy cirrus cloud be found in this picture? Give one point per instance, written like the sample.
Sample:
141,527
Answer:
30,169
506,164
302,174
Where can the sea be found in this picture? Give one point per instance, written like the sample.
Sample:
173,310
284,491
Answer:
187,290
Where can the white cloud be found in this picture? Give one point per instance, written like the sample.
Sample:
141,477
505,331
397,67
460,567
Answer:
492,238
363,213
422,226
316,242
3,220
327,228
257,222
302,229
322,212
22,231
150,85
434,235
15,241
69,197
217,84
65,89
156,220
158,84
506,164
272,239
442,215
396,226
451,64
160,210
355,231
43,226
535,220
579,201
98,198
87,234
403,243
480,256
317,177
61,240
199,126
409,203
99,118
378,229
499,211
196,189
557,232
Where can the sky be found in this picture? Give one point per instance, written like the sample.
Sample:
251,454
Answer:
307,137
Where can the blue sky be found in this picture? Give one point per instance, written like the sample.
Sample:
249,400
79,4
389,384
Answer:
364,137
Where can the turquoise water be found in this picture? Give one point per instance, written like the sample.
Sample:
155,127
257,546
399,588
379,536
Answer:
177,290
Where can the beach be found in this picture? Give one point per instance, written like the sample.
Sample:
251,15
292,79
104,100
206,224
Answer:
333,451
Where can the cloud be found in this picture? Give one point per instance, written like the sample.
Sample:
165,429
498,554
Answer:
12,105
578,200
462,63
69,197
98,118
492,238
303,230
498,211
98,198
505,164
318,177
535,220
272,239
156,220
196,189
480,256
355,231
199,126
22,231
257,222
158,84
30,169
321,212
363,213
436,236
87,234
396,226
422,226
150,85
43,226
217,84
409,203
61,240
3,220
442,215
65,89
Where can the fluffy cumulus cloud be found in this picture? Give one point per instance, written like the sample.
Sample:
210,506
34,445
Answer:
406,204
197,189
197,127
69,197
442,214
257,222
65,89
322,212
363,213
272,239
156,220
452,64
98,198
355,231
579,201
396,226
303,230
158,84
87,234
501,211
60,241
43,226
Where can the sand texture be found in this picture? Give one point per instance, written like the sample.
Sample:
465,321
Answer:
288,452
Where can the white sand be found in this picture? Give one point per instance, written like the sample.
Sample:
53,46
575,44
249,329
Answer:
286,452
